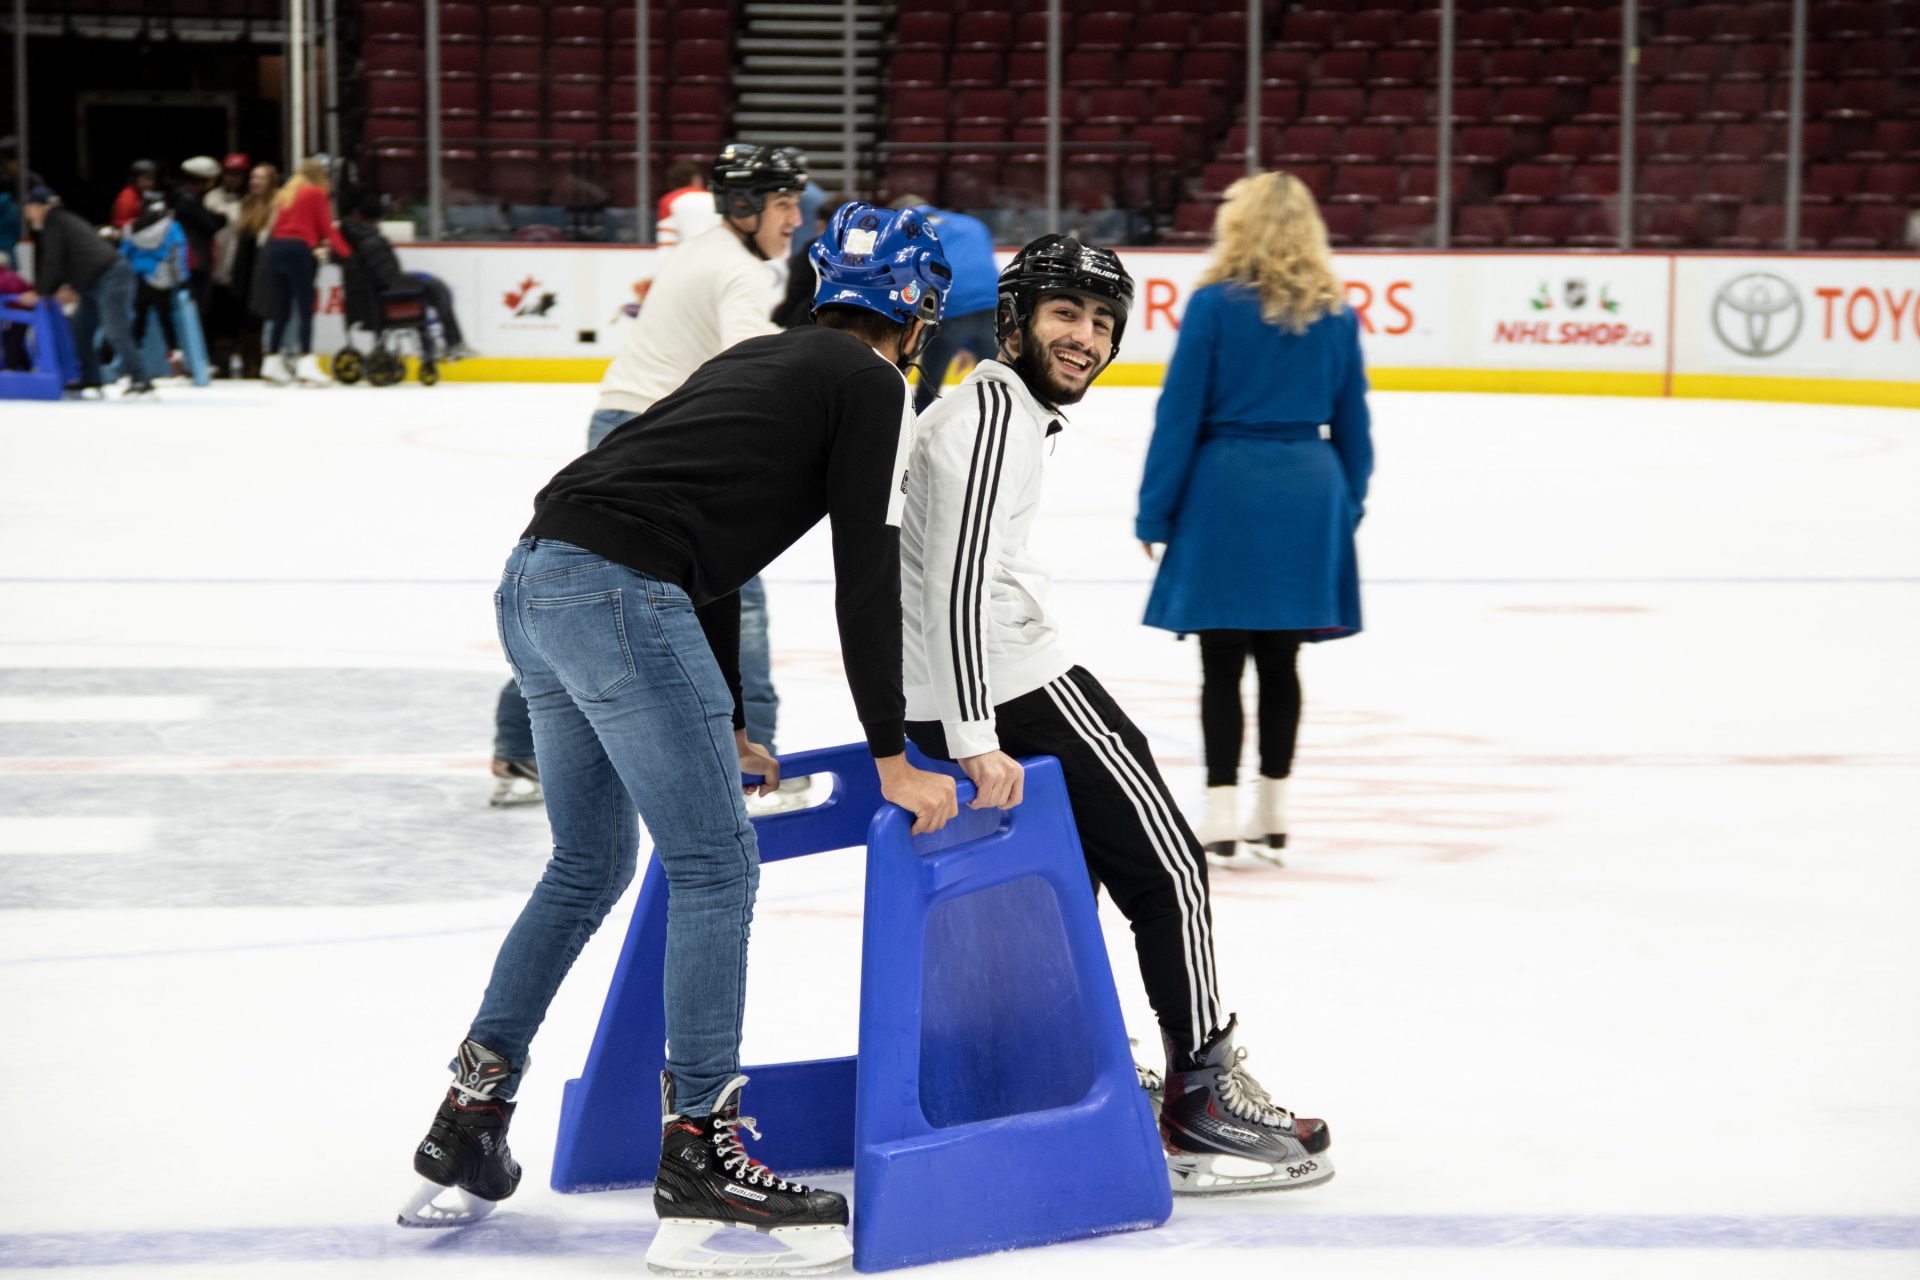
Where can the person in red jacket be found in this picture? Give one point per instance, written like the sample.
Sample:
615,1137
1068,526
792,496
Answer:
303,235
133,197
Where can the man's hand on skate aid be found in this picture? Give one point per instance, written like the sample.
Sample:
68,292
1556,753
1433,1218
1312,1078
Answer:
929,797
756,762
999,782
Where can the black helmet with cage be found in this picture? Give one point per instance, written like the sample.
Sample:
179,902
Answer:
1062,264
745,174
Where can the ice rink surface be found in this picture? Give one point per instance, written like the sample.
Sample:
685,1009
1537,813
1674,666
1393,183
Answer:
1597,947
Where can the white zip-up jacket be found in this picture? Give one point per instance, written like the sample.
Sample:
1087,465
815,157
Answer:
977,631
711,293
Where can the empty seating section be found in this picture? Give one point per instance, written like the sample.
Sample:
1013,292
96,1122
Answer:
1349,103
539,101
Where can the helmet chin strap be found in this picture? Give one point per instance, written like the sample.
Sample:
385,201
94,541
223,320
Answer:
751,238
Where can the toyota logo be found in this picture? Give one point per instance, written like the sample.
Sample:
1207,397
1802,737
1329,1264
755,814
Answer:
1758,314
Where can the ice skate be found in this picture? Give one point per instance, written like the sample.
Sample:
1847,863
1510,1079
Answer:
1224,1134
278,369
308,373
1219,829
515,782
708,1183
140,391
465,1150
793,793
1153,1084
1266,835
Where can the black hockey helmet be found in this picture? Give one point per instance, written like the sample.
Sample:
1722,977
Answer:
745,174
1061,264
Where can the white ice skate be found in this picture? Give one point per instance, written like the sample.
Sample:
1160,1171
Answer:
1219,828
278,369
516,782
682,1248
309,373
1266,834
432,1205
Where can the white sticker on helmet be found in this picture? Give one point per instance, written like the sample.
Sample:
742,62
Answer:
860,240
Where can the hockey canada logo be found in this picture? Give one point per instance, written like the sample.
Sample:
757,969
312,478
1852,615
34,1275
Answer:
1757,315
525,305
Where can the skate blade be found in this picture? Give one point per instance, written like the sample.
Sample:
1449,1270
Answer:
421,1211
516,792
681,1248
1265,856
1210,1175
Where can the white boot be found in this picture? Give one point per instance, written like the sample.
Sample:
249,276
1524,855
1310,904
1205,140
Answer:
309,373
277,368
1268,830
1219,828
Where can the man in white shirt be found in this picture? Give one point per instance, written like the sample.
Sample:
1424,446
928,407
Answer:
717,289
987,679
687,210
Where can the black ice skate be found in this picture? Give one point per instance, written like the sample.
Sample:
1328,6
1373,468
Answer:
708,1182
466,1148
1223,1133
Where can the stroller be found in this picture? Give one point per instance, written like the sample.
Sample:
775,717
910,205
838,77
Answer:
395,318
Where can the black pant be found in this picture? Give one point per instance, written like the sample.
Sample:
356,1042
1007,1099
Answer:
290,271
440,298
148,299
1136,842
1223,659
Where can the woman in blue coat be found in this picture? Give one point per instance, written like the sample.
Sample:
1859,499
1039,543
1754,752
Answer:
1255,481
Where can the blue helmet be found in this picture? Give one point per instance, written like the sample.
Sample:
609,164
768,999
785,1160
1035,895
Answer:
884,260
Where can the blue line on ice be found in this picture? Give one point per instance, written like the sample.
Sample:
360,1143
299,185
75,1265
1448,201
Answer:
530,1235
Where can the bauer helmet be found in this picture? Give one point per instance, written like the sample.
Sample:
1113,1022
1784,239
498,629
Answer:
885,260
1061,264
744,175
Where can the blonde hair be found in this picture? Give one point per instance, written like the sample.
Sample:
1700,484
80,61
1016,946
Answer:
1268,236
311,173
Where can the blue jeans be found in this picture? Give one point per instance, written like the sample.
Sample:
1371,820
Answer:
513,737
630,715
108,304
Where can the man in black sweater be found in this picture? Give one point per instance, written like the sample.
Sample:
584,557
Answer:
74,265
619,612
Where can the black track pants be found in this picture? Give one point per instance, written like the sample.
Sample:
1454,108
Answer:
1137,843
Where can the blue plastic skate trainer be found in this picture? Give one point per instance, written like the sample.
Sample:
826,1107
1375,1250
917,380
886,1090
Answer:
993,1103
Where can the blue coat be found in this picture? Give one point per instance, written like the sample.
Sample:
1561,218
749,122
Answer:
1256,504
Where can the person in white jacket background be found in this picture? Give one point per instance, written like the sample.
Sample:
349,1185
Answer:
988,679
717,289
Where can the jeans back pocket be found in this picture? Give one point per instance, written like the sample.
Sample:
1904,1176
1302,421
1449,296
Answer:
584,640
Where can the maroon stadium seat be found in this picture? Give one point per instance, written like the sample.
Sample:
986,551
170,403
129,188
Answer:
1859,100
1310,31
514,62
1333,106
1525,105
1026,70
1393,68
515,24
382,20
1211,68
1149,68
1305,144
702,62
1845,21
1511,67
515,100
1746,23
1366,184
1367,144
1732,100
1682,144
1661,183
1699,62
1340,68
1177,104
702,24
1670,102
1112,32
917,70
394,93
1740,184
1318,177
1670,226
392,59
1487,30
1898,183
1548,28
1821,224
1479,226
993,106
461,23
976,69
1419,144
1216,176
577,24
983,31
1532,184
1570,142
1832,183
1165,31
1369,29
1225,32
1399,106
1892,140
1756,226
1346,223
1741,141
1472,103
1601,29
1603,105
1875,227
1756,62
1577,65
1114,107
1680,24
1545,226
577,59
1192,224
1591,184
1088,70
1401,226
696,103
922,31
1484,144
1420,30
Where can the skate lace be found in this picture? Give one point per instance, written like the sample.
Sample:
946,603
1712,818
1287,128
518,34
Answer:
735,1160
1246,1099
1149,1078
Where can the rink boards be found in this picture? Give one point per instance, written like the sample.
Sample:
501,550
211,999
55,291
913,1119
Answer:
1834,328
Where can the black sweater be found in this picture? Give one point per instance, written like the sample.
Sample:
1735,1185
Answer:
67,250
709,485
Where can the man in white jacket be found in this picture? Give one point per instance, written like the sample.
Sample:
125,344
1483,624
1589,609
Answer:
716,290
987,679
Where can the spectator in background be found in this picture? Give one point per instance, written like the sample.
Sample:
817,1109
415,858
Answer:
222,314
10,213
200,225
688,208
375,256
13,337
141,179
303,233
73,264
156,248
796,307
967,331
1256,506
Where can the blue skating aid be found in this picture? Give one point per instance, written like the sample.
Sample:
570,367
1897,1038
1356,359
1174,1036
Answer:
991,1039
